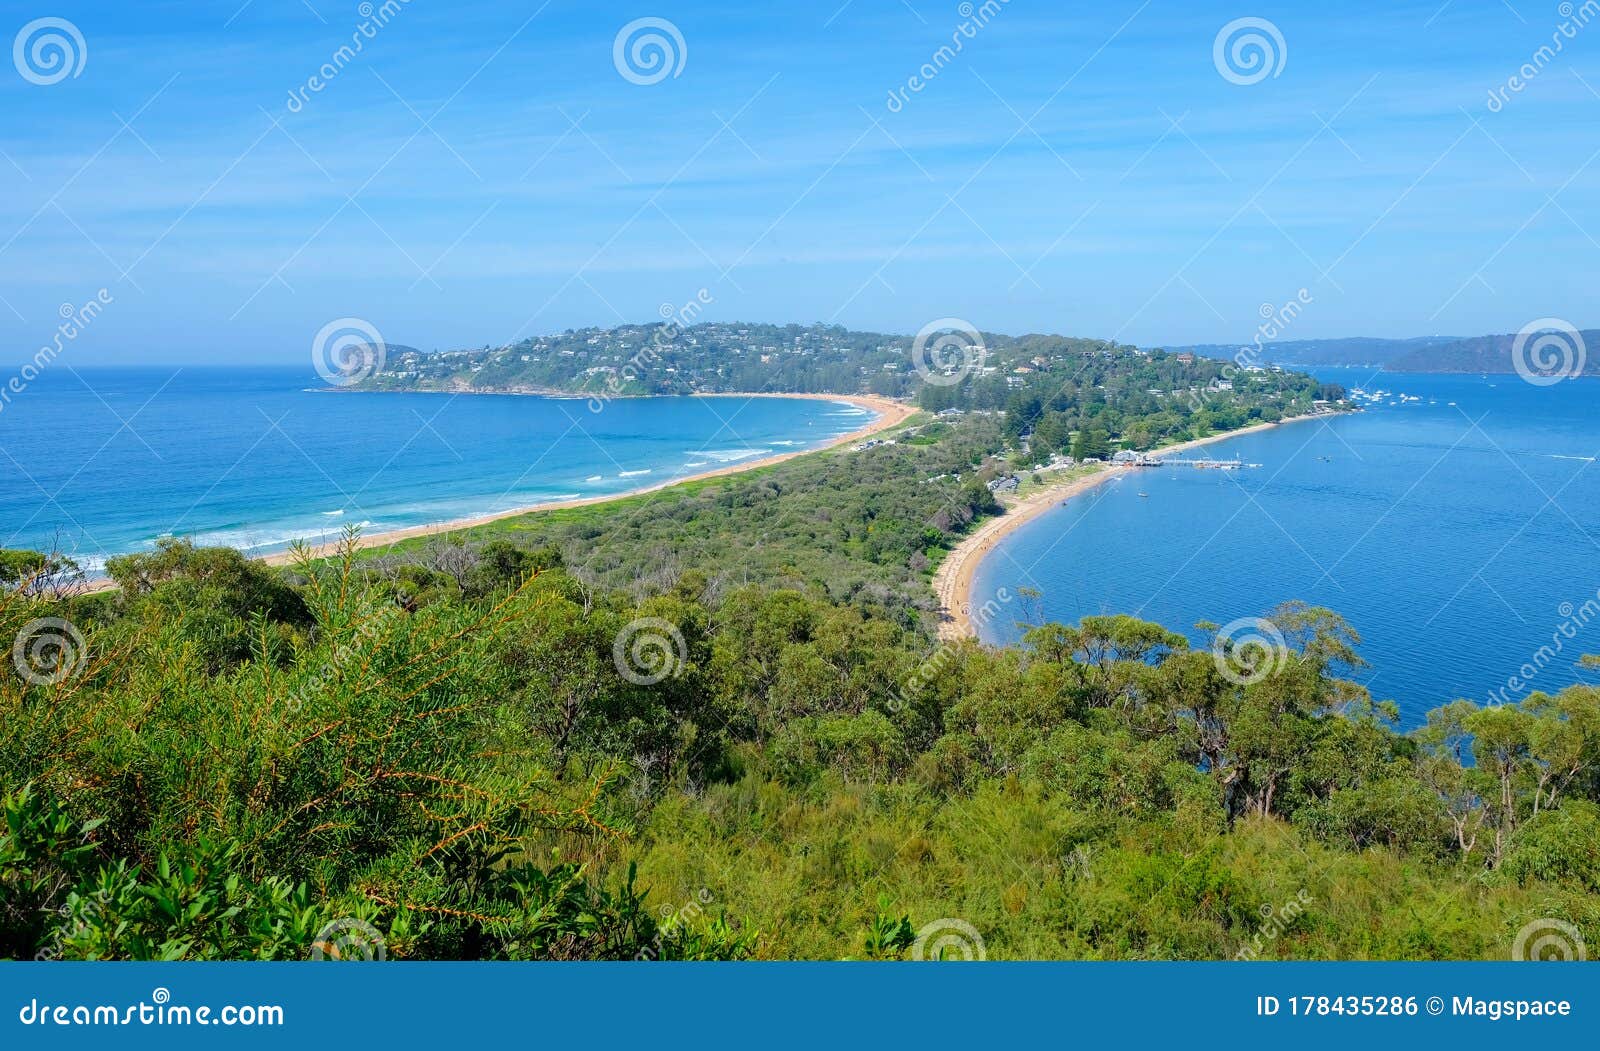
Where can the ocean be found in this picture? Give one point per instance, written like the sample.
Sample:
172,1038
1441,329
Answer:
1455,524
1450,523
102,462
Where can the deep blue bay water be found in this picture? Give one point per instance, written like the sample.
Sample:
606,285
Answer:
105,461
1456,539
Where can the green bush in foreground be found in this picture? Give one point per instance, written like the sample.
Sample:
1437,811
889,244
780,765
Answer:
492,751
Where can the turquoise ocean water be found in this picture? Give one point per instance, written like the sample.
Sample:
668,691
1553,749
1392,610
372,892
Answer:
104,461
1455,524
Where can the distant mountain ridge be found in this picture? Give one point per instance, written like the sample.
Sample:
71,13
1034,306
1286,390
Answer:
1484,354
1440,354
1352,351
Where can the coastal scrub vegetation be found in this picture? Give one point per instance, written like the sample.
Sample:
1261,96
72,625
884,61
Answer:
535,742
1086,399
863,527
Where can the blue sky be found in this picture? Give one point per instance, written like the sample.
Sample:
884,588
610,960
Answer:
483,171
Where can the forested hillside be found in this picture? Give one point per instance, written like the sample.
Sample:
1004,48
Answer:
959,367
663,358
713,722
1566,352
1367,351
1055,394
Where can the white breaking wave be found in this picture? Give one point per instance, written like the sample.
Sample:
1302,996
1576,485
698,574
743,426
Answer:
730,455
280,536
633,474
333,514
695,463
595,478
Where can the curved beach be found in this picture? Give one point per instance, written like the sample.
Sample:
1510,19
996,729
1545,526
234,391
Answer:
891,413
953,580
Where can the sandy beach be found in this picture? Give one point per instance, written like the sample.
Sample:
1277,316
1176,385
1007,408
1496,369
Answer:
952,582
890,413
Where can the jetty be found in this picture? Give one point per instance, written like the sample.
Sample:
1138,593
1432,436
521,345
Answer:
1204,464
1200,463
